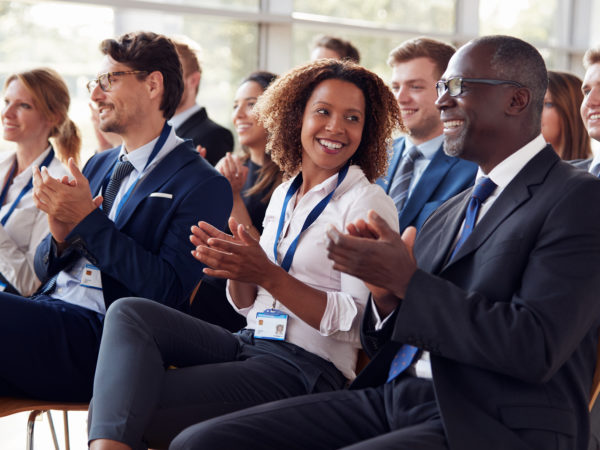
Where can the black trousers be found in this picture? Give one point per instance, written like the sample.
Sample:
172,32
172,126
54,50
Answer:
402,415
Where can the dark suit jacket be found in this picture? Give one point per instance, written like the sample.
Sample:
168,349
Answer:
512,321
203,131
146,252
444,177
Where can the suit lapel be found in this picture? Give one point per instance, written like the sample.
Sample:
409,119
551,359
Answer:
398,150
514,195
429,181
102,172
163,172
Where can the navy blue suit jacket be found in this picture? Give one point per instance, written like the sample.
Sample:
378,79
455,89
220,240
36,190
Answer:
512,320
444,177
146,252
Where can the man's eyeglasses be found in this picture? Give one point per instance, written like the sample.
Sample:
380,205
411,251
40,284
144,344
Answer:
454,86
105,79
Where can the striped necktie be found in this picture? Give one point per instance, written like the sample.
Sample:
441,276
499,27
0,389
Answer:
401,182
122,169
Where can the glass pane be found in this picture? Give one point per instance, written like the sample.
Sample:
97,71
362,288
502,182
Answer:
374,50
531,20
241,5
66,37
424,15
58,35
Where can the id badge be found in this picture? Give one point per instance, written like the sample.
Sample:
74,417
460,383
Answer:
271,324
90,278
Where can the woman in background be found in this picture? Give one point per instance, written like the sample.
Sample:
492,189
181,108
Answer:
562,126
253,177
34,110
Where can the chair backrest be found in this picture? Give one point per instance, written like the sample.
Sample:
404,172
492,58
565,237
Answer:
596,379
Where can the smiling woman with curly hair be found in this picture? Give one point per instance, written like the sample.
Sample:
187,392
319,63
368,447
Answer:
281,107
329,126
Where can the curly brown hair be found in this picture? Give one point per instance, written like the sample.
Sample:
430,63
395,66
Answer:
281,109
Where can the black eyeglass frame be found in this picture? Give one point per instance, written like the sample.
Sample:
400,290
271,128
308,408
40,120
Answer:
106,86
455,88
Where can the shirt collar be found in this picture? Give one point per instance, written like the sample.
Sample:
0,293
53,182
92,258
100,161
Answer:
178,119
140,155
428,148
508,169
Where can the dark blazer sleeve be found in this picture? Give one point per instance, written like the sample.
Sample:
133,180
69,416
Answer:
150,255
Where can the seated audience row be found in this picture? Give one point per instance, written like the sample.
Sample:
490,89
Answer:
486,306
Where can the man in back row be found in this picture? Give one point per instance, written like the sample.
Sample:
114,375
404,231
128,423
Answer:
191,120
118,229
421,176
502,291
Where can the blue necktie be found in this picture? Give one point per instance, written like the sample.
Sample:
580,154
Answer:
483,189
122,169
401,182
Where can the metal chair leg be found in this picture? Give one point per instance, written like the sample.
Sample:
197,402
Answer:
52,430
66,424
30,425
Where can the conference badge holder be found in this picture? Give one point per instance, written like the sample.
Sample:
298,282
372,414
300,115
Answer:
271,324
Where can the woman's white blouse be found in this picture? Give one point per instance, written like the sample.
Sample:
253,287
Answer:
339,336
25,228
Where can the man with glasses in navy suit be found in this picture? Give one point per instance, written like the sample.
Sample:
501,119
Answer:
118,229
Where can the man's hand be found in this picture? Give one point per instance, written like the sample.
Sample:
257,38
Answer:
65,202
378,255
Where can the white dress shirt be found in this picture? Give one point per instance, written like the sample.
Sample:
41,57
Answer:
68,283
338,338
26,227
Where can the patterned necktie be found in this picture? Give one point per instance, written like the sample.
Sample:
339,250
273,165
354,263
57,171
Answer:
49,287
401,361
401,182
122,169
481,192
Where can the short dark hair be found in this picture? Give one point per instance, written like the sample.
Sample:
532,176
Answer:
422,47
591,56
342,47
149,52
517,60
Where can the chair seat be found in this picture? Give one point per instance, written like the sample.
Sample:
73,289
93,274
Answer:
13,405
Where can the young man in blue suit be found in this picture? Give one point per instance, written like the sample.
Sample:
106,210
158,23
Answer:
418,191
499,299
118,229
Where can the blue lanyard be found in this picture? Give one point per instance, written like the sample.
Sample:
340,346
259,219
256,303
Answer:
25,189
312,216
164,134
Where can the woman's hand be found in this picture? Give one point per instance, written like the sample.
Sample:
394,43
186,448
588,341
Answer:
239,257
232,168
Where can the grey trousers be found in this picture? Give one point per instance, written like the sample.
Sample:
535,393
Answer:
140,400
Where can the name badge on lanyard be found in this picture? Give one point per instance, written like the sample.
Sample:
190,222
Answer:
25,189
91,277
272,323
164,134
